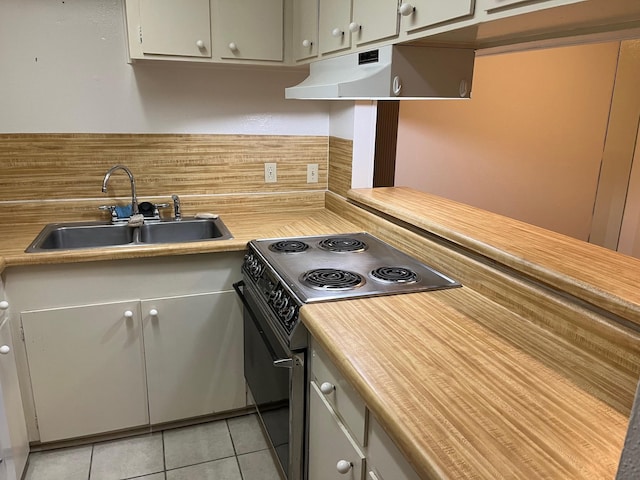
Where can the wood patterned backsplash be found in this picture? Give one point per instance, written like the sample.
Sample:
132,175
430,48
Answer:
340,160
71,166
58,177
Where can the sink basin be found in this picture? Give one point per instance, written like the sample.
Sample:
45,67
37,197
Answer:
70,236
64,236
186,230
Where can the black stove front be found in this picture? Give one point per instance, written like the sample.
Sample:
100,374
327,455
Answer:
280,276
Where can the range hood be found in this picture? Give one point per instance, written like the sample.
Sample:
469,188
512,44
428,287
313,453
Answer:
390,72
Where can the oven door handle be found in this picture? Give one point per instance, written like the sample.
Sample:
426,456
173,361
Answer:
277,362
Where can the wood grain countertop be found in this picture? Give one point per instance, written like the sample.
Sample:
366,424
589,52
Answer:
592,273
15,239
467,389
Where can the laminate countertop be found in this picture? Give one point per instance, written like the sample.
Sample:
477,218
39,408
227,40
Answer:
15,239
468,390
592,273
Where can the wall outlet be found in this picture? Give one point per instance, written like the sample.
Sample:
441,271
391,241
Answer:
270,174
312,173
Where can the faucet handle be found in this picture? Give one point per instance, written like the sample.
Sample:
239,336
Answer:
177,214
111,209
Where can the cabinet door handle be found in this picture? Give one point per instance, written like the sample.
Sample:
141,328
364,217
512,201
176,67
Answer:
4,349
354,27
406,9
327,388
343,466
233,47
306,43
153,312
128,314
336,32
200,44
4,305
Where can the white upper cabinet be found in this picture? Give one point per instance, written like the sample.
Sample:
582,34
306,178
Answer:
248,29
305,29
180,28
335,17
417,14
374,20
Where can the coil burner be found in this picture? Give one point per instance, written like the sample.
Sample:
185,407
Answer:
342,244
394,275
332,279
288,246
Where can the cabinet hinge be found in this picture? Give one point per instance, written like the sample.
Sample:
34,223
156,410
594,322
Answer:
36,421
140,33
21,331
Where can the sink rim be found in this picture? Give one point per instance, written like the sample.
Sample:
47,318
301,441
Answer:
50,228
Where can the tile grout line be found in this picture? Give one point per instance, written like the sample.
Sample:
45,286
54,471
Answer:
235,452
91,461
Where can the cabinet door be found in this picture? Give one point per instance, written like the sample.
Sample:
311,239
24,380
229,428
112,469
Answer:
87,369
335,16
249,29
330,443
432,12
305,29
176,28
14,443
374,20
193,352
385,461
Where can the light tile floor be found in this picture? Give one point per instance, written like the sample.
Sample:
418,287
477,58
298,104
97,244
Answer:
233,449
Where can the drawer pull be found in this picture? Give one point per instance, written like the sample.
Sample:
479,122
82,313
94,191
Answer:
344,466
327,388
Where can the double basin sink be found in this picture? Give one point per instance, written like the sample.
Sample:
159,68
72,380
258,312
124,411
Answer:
69,236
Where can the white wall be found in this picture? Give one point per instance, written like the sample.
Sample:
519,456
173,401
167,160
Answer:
63,68
527,145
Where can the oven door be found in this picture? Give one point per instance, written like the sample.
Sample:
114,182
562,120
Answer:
276,379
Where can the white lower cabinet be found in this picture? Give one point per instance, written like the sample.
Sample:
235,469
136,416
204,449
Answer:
115,345
14,443
87,369
384,460
333,454
193,355
344,437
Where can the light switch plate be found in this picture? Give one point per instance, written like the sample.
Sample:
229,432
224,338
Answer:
270,173
312,173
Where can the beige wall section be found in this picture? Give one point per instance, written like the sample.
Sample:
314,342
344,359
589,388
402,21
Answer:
527,145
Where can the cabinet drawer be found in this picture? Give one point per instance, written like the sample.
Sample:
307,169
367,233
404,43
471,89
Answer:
339,393
330,444
385,461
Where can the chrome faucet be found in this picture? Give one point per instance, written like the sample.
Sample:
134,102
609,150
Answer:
134,198
177,215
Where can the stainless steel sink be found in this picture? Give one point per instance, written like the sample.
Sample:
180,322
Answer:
71,236
185,230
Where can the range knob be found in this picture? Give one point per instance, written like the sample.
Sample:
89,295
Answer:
289,313
274,296
282,303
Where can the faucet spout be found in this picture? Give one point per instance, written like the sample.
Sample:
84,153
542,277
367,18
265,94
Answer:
134,198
